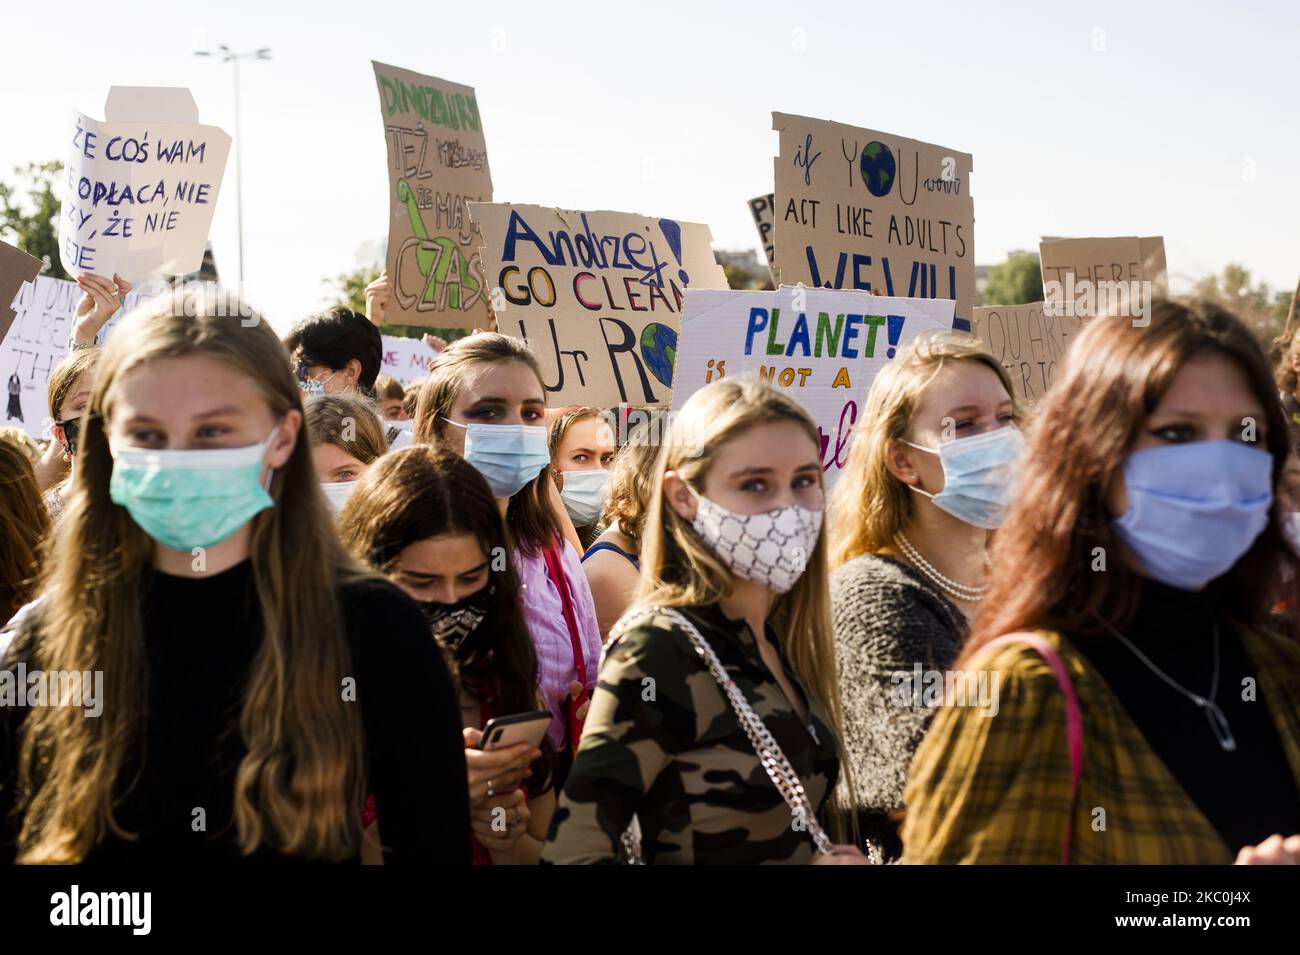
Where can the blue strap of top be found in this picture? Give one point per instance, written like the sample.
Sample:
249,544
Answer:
606,545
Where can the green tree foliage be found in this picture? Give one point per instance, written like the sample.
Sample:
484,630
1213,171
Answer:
1262,309
29,214
1017,281
739,277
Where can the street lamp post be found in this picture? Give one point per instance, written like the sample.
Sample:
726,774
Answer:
227,56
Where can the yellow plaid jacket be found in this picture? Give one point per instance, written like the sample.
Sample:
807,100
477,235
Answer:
997,789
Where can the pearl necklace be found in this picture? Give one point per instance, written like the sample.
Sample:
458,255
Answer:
952,588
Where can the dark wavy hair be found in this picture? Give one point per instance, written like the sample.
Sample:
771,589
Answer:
424,491
1115,376
333,338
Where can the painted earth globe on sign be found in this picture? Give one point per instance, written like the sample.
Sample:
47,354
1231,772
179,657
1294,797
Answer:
878,168
659,351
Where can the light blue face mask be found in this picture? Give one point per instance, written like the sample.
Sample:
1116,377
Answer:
193,498
978,473
584,495
1195,508
510,456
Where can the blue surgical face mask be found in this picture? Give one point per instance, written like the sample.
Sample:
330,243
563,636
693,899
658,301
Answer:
978,473
189,499
510,456
1194,508
584,495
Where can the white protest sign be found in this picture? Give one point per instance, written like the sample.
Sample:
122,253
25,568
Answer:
142,186
823,346
36,342
406,359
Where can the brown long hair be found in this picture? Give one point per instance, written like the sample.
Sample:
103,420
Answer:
24,524
349,421
422,492
630,477
529,515
299,788
1115,376
65,376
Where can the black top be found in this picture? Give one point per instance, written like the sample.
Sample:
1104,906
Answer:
201,636
1247,794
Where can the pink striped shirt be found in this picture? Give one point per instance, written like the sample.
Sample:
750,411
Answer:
544,617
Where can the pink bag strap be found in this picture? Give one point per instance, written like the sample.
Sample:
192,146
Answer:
1073,716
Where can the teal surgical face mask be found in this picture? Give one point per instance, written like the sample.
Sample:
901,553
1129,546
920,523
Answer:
510,456
193,498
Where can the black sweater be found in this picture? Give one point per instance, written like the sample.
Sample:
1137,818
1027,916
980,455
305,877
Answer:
201,636
1247,794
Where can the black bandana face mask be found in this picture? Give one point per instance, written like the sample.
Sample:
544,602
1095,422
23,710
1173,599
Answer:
71,428
453,624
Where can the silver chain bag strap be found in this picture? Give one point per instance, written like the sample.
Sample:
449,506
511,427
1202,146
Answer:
765,745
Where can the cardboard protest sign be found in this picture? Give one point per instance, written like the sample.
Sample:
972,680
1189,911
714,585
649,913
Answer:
861,209
823,347
437,162
406,359
598,295
142,186
16,267
1080,267
1028,341
37,341
760,207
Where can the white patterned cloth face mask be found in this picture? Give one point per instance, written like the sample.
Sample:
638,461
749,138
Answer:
771,548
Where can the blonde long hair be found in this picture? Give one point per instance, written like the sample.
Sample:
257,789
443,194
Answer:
299,789
679,570
869,506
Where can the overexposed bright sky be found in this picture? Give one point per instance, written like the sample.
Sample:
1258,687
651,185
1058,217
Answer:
1084,118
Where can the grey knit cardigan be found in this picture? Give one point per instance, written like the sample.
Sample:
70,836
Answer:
887,618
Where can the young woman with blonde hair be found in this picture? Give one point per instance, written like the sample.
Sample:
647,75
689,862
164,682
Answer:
730,637
582,448
248,707
933,454
69,390
346,438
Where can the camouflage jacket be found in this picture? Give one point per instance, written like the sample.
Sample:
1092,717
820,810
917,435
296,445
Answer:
662,742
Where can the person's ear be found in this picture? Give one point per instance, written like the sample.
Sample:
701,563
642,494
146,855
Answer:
679,497
284,439
352,372
898,461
